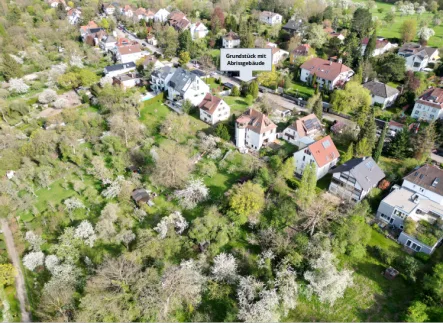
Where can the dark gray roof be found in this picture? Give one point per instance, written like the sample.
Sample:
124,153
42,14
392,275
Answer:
429,177
293,25
380,89
409,49
180,78
119,67
141,195
365,170
199,73
163,72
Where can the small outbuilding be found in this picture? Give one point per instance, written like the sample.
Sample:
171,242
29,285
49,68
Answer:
142,195
390,273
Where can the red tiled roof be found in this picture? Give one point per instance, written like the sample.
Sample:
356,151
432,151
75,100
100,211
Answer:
231,36
380,43
256,121
324,69
301,50
129,49
210,103
90,25
323,151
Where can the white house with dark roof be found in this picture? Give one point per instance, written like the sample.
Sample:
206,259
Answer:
184,85
109,9
416,207
198,30
295,26
417,56
322,153
270,18
160,78
127,80
381,93
329,74
231,40
74,16
429,106
213,109
117,69
353,180
303,131
382,45
107,43
254,130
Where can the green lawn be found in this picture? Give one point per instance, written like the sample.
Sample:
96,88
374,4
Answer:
393,30
238,104
300,89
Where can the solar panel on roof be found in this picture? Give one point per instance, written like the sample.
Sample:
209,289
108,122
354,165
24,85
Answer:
326,144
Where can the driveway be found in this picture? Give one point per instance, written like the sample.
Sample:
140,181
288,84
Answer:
437,158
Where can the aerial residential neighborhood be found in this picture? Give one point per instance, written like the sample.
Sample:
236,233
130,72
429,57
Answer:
141,181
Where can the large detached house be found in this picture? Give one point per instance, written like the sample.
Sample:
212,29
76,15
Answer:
270,18
329,74
161,15
301,51
382,45
294,27
127,51
354,179
416,207
429,106
417,56
127,80
117,69
109,9
178,20
231,40
303,131
213,109
160,78
184,85
382,93
74,15
254,129
198,30
322,153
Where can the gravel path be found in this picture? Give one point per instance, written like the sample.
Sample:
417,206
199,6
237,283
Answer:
19,278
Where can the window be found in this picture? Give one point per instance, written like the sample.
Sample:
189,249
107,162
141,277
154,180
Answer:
304,157
384,216
413,245
400,214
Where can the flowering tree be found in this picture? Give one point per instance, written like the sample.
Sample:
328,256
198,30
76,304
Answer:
60,103
33,259
76,61
173,221
265,258
424,33
406,9
126,237
73,203
105,80
286,288
51,262
34,240
325,280
224,268
47,96
85,232
420,10
195,192
257,304
18,86
105,226
114,189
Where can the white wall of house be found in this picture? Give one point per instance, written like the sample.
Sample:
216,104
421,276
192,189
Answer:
385,102
273,20
302,159
346,190
161,15
278,56
251,139
305,76
132,57
414,63
122,71
199,31
422,191
425,112
222,113
231,43
415,244
110,11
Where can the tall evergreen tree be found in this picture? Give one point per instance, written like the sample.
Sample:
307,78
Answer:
348,154
381,142
253,89
424,142
10,68
399,146
371,45
305,194
361,22
369,131
185,41
318,107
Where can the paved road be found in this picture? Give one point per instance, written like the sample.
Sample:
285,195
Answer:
19,278
437,158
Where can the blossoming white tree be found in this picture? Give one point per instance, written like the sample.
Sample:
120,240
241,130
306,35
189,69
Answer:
105,80
47,96
424,33
73,203
18,86
76,61
51,262
224,268
85,232
174,221
286,288
34,240
195,191
325,280
33,260
114,189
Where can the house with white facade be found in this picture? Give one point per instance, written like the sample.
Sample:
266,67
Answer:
381,93
231,40
278,54
429,106
382,45
270,18
109,9
198,30
184,85
304,131
253,130
417,56
117,69
55,3
322,153
127,51
127,80
213,109
84,30
353,180
161,15
74,15
127,11
107,43
160,78
416,207
328,74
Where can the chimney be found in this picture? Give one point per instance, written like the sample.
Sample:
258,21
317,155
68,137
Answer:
330,63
